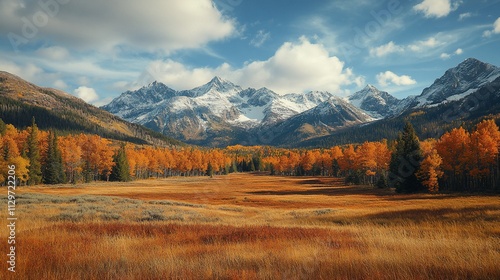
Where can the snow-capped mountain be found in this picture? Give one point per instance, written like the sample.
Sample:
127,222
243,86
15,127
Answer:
222,113
207,110
378,104
329,116
458,83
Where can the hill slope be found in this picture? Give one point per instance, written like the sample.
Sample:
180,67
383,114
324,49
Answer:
55,109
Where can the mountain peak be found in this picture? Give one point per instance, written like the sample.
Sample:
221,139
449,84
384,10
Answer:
217,80
220,83
371,87
472,60
471,64
369,90
155,84
375,102
458,82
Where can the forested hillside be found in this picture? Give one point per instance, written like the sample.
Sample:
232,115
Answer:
20,101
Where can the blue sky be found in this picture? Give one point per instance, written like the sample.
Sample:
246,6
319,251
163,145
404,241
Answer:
97,49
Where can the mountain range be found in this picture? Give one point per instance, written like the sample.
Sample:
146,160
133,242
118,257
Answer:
221,113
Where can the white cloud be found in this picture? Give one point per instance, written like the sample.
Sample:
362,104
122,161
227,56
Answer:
425,47
496,29
149,25
260,38
295,67
386,49
437,8
30,72
445,56
386,78
87,94
53,53
177,75
421,46
464,16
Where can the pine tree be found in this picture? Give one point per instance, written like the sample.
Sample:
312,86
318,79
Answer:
53,170
234,167
33,154
3,127
210,169
405,162
121,169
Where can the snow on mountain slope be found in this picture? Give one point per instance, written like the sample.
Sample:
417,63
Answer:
218,98
378,104
458,82
327,117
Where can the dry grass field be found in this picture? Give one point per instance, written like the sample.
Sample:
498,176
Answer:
250,226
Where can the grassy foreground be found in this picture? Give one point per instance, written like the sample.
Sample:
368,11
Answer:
245,226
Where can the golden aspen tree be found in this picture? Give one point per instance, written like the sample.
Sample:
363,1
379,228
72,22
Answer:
307,161
132,159
453,147
22,172
483,151
430,169
71,154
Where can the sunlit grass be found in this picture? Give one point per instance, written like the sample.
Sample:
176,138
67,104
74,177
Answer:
252,227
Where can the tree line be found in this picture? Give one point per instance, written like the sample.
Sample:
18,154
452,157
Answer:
459,160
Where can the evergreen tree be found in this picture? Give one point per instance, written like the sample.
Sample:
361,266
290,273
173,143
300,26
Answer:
382,182
234,167
53,170
3,127
210,170
121,169
251,165
33,154
405,162
335,168
257,163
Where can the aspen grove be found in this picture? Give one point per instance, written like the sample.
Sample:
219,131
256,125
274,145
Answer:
459,160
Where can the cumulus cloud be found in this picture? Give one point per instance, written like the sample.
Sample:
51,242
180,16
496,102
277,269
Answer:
386,78
445,56
178,75
386,49
295,67
496,29
417,47
87,94
437,8
105,25
424,45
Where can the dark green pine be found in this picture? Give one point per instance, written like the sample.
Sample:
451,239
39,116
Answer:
121,169
405,162
33,154
53,170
